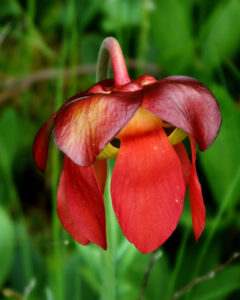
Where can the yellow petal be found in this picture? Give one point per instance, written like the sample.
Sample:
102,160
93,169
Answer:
177,136
108,152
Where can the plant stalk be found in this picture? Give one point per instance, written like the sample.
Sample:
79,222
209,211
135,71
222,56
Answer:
110,49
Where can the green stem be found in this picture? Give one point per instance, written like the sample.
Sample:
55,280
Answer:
226,199
179,262
56,254
109,282
143,36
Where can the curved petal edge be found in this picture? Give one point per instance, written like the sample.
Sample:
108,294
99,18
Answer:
187,104
41,144
196,199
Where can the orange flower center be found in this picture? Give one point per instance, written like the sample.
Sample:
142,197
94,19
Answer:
142,122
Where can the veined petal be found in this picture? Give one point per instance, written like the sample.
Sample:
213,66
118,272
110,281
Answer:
65,214
147,190
41,143
185,162
85,201
83,128
187,104
196,198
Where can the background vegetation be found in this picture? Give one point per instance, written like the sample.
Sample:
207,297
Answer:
48,51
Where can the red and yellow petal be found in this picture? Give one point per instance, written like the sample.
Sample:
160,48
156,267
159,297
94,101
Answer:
83,128
65,214
147,190
196,199
85,201
187,104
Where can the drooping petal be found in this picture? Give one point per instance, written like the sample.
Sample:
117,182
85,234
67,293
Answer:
100,169
185,162
196,198
65,214
41,143
83,128
85,201
187,104
147,190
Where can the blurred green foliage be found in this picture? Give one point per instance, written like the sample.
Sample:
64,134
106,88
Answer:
39,41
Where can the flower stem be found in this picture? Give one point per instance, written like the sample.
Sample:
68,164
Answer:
109,282
57,266
111,50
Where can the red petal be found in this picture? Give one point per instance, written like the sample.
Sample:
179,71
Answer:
185,162
196,199
65,214
147,190
83,128
100,169
85,201
41,143
187,104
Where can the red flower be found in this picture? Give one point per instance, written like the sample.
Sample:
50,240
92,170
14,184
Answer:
148,118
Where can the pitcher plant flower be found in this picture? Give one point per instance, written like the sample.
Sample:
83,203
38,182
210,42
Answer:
141,123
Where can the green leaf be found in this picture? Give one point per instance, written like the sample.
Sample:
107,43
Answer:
220,35
6,245
90,255
89,48
161,271
171,30
9,8
9,133
126,255
221,161
121,14
13,137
